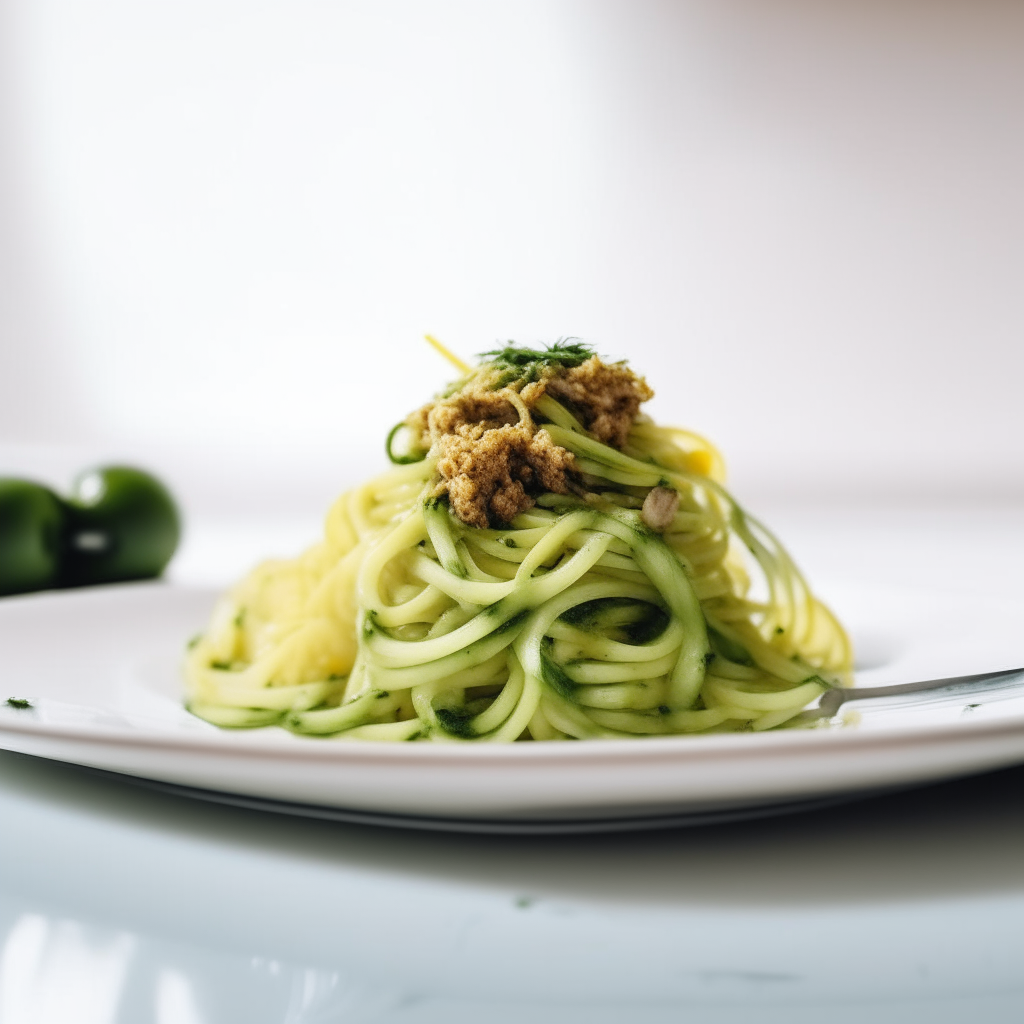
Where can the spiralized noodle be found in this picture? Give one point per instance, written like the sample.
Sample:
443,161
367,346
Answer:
577,620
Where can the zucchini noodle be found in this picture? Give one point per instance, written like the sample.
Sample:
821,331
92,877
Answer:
576,620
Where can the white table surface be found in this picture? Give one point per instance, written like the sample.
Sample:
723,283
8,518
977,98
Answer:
122,905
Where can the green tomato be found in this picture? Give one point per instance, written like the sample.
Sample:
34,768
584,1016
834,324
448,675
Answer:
123,524
31,527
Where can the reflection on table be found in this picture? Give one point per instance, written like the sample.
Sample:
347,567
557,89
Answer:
118,904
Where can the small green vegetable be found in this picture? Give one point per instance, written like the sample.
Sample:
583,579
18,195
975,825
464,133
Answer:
123,524
18,702
401,460
32,522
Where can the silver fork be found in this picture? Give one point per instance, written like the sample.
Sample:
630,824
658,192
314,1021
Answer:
833,700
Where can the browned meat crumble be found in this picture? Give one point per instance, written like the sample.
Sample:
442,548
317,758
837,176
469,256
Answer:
605,397
490,474
493,459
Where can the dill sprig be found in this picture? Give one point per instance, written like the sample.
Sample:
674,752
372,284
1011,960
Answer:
566,351
516,362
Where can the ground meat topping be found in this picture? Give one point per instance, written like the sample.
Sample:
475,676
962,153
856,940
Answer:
607,398
490,474
492,459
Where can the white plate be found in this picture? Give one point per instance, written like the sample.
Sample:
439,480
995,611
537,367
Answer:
101,669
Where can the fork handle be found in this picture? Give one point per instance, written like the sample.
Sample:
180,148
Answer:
834,699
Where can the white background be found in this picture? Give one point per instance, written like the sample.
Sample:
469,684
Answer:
225,225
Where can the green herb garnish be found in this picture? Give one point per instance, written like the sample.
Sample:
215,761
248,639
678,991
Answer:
518,363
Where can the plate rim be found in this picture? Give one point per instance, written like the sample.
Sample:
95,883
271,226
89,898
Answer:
654,748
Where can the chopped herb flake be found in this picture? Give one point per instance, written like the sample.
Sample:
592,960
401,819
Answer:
456,721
